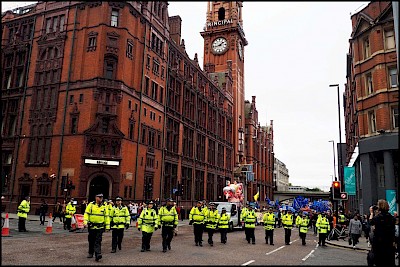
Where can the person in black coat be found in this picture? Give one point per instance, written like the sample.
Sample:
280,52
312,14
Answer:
42,211
383,225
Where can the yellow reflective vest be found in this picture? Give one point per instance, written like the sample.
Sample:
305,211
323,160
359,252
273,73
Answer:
323,225
243,214
167,217
287,221
303,224
69,210
212,218
148,220
250,219
23,209
298,220
269,221
197,216
223,221
97,216
119,217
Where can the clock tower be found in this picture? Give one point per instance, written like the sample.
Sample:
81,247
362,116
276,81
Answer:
224,42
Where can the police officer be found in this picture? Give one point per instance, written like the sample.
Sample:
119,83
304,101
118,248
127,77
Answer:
323,229
211,221
250,225
120,219
287,221
298,221
269,226
70,210
304,223
148,223
168,219
23,210
243,215
197,217
223,225
97,219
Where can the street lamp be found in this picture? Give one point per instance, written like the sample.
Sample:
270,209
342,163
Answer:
340,135
334,159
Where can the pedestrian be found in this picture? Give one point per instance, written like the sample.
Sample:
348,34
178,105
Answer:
211,221
223,225
314,218
57,211
42,211
279,218
355,229
366,228
183,213
168,220
148,223
97,220
119,220
83,206
23,210
70,210
384,235
250,225
304,225
196,218
323,229
269,226
287,222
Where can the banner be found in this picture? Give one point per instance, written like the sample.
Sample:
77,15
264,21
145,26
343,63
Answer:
391,199
350,180
256,196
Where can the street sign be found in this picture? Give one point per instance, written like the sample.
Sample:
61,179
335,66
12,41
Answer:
343,196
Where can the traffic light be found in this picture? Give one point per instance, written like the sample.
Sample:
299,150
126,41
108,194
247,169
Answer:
330,194
336,189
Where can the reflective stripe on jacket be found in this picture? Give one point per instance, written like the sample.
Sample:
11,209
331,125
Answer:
96,217
148,220
196,215
70,210
323,225
304,222
212,218
287,221
250,219
223,221
119,217
167,217
23,209
269,221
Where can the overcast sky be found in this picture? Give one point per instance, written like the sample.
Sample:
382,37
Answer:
295,51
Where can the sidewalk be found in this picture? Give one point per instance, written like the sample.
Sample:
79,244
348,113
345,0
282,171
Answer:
362,244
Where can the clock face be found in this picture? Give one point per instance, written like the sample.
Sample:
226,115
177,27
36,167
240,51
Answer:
220,45
240,49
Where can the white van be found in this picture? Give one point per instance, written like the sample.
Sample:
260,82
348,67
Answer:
233,209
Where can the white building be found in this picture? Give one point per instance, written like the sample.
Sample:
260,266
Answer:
281,176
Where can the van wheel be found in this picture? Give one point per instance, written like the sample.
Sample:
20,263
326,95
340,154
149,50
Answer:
231,227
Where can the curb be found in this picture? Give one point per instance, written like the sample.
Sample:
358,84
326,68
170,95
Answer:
348,247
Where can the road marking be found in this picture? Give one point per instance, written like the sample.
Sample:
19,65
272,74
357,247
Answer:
293,241
275,250
309,254
247,263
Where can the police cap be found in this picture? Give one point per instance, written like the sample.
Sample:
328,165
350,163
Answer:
150,202
169,200
99,195
118,198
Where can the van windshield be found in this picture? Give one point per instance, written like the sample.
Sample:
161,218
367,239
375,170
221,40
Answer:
227,206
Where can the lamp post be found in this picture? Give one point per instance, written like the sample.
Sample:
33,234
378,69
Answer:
340,136
334,159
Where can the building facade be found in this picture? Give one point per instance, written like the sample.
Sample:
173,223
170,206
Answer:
281,176
102,97
371,104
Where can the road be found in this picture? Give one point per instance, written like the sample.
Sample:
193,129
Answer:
70,248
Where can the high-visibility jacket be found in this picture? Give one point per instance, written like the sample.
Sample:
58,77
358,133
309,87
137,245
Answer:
341,218
148,220
287,221
269,221
23,209
223,221
304,223
119,217
323,225
212,218
206,209
298,220
69,210
167,217
250,219
96,216
196,215
243,214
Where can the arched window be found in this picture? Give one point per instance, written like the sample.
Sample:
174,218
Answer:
110,67
221,13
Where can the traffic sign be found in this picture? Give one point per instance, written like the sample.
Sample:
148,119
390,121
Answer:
343,196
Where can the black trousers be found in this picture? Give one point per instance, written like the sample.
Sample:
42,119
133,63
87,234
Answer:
269,234
303,238
58,215
288,233
42,217
250,234
198,232
68,223
210,235
167,233
95,237
21,224
117,236
224,232
146,238
322,238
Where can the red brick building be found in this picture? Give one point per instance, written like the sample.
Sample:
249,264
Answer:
371,104
102,96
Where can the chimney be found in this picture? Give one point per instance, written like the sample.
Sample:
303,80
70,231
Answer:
253,99
175,23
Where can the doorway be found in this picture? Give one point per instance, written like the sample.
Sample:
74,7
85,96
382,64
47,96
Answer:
98,185
24,191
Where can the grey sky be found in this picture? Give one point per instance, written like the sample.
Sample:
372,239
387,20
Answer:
295,51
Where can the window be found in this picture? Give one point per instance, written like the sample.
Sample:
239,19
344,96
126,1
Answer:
156,67
393,77
131,129
367,49
114,18
146,89
81,98
55,22
71,99
389,39
74,125
148,62
19,78
48,25
221,13
62,21
368,79
161,94
395,116
105,125
110,67
154,90
129,104
129,49
145,111
157,44
162,72
92,41
372,122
